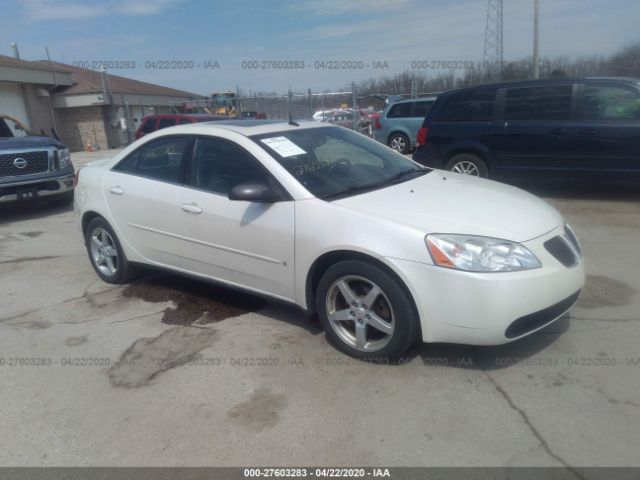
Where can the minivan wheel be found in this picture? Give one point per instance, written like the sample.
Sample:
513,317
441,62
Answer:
365,312
105,252
468,164
400,143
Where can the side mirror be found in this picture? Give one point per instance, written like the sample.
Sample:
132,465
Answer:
254,191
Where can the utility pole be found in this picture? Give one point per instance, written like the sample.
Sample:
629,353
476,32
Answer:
536,59
493,39
355,107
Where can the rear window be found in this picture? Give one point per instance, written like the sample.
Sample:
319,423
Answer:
538,103
148,125
400,110
469,106
166,122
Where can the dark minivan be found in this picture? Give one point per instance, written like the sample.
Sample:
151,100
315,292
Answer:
536,128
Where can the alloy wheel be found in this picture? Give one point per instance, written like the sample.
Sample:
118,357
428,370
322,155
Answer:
466,167
104,252
398,144
360,313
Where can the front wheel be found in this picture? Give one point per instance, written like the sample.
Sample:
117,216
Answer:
365,312
468,164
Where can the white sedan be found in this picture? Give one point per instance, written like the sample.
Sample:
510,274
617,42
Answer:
384,251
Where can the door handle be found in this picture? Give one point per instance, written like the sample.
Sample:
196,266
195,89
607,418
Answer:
588,131
117,190
558,131
191,208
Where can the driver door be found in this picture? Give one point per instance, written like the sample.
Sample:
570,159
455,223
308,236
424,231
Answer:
249,244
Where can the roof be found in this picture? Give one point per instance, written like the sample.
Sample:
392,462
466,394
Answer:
247,127
90,81
417,99
509,83
44,66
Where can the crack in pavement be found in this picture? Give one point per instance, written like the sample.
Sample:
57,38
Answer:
532,429
86,295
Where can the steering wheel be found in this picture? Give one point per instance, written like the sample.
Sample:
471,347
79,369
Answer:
341,161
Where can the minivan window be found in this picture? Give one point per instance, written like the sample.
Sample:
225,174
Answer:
400,110
157,160
610,102
468,106
538,103
422,108
166,122
218,166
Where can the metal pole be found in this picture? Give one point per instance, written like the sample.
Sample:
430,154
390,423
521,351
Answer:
536,14
310,106
289,97
355,106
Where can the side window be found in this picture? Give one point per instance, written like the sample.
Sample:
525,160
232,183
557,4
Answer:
538,103
400,110
421,109
148,126
218,166
610,102
469,106
157,160
166,122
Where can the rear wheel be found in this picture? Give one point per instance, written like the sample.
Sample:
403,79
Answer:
365,312
105,253
399,142
468,164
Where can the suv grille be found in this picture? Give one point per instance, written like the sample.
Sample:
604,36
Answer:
36,162
558,247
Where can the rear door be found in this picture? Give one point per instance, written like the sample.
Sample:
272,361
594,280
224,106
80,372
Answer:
142,194
533,130
607,137
245,243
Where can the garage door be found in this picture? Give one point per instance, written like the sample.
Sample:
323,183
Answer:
12,103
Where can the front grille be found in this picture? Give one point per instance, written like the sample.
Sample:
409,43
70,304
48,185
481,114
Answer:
558,247
36,162
537,319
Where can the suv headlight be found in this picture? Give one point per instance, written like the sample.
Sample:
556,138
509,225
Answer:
479,254
64,159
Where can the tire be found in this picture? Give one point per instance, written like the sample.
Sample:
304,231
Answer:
380,329
100,232
399,142
469,164
62,200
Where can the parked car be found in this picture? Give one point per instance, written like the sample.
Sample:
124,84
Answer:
587,127
387,252
322,115
399,123
32,166
344,118
151,123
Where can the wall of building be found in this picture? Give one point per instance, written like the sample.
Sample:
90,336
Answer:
80,126
38,109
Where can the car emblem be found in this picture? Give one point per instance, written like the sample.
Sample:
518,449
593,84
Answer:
20,163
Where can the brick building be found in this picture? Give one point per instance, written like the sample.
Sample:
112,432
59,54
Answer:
81,107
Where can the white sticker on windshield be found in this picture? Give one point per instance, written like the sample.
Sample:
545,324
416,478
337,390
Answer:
283,146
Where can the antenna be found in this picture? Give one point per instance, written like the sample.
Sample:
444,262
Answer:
493,40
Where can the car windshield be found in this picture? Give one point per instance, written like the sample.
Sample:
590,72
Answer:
333,162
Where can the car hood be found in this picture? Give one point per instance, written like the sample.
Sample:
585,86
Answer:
445,202
28,142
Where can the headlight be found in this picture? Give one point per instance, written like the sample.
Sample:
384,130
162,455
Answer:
479,254
64,159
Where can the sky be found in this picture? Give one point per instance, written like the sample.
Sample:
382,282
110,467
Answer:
216,42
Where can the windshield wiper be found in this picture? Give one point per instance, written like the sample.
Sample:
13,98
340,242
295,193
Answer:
397,178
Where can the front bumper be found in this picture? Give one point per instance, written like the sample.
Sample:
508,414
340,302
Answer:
43,187
492,308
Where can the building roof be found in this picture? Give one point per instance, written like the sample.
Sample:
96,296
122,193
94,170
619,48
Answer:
44,66
89,81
